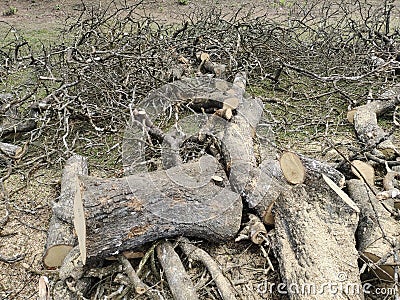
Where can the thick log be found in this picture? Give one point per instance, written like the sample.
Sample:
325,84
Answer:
179,282
377,232
122,214
314,243
268,182
60,237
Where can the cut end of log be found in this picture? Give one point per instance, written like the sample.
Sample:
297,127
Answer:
54,256
292,168
232,103
79,221
363,171
350,115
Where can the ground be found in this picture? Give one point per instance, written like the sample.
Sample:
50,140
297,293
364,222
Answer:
28,195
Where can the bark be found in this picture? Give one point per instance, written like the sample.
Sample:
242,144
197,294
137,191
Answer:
11,150
178,280
60,237
225,288
63,208
314,243
122,214
366,122
268,182
377,231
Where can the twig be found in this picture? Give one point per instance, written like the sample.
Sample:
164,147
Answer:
192,252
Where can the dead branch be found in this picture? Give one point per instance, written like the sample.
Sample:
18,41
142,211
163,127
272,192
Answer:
179,281
225,288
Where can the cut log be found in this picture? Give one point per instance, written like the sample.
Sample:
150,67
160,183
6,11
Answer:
238,147
178,280
366,122
122,214
60,237
377,232
314,243
363,171
60,241
292,168
11,150
63,208
268,182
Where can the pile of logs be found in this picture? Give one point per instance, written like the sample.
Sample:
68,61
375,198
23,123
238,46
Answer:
323,225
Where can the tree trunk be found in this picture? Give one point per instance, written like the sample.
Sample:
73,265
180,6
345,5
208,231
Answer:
122,214
377,231
314,243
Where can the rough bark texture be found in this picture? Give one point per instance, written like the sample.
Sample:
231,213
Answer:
11,150
366,121
63,208
125,213
269,182
60,241
314,243
238,146
377,231
178,280
60,237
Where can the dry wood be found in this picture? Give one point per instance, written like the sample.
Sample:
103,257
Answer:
225,288
268,182
315,169
314,242
125,213
363,171
60,241
265,188
60,237
238,146
138,285
366,122
11,150
43,287
350,115
377,231
254,231
178,280
74,166
346,199
292,168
